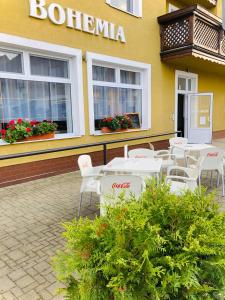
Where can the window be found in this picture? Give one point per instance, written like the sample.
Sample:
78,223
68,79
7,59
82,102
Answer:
117,86
38,86
131,6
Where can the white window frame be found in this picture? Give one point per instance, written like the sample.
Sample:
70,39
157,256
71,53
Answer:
74,56
172,8
114,62
137,5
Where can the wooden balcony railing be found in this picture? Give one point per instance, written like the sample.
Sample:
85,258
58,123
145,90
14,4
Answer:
192,31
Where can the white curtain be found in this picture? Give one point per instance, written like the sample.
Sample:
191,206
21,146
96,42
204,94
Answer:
36,100
111,101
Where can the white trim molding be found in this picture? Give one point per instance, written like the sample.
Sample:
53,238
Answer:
115,62
74,56
185,75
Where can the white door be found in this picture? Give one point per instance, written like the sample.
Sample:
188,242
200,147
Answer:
200,107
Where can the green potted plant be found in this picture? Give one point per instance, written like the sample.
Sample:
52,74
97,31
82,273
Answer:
160,247
125,122
43,130
118,123
24,130
109,125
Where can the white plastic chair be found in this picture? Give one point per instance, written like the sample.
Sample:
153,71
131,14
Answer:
181,183
210,160
113,185
141,153
90,177
151,146
168,159
174,142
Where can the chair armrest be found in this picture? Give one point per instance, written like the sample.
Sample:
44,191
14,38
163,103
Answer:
192,158
98,169
177,168
161,151
180,178
191,173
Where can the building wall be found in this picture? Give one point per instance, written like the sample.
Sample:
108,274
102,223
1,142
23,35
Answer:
143,45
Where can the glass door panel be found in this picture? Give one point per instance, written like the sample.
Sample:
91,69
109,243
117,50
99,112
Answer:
200,118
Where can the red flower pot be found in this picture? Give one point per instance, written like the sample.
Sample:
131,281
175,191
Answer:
46,136
106,130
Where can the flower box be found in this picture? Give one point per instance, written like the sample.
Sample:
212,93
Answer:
119,123
46,136
24,130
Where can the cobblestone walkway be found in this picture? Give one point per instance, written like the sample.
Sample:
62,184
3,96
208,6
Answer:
30,233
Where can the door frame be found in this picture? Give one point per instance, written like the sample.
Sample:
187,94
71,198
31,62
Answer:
186,75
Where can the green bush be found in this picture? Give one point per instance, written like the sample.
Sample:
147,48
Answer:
160,247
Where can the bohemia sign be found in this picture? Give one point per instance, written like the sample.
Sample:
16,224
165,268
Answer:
76,20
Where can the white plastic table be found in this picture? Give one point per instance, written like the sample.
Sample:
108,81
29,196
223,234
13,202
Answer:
194,147
139,166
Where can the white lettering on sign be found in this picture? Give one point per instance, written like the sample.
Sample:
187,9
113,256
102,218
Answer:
76,20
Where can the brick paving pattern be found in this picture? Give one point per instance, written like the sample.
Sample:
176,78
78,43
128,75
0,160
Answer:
30,233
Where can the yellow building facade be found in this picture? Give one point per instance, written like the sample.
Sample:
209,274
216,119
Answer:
69,60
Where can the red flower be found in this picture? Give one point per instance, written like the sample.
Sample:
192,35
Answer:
12,127
19,121
12,122
28,129
3,131
32,123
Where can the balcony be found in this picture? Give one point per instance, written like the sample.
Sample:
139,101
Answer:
205,3
192,32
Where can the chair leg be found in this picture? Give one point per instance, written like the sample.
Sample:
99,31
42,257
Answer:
199,183
80,204
90,199
223,192
211,179
218,179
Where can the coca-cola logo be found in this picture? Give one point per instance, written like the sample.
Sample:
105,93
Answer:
212,154
124,185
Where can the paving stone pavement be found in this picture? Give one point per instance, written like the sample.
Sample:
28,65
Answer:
30,233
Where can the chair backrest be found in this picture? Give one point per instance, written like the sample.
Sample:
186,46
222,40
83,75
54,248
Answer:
186,176
84,163
211,159
178,141
112,186
141,153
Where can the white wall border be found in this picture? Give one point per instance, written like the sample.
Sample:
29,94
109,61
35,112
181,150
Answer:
75,55
145,68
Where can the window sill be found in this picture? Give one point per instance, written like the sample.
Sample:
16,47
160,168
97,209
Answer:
126,12
57,137
99,133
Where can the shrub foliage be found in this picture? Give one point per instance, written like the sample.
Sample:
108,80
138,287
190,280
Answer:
160,247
